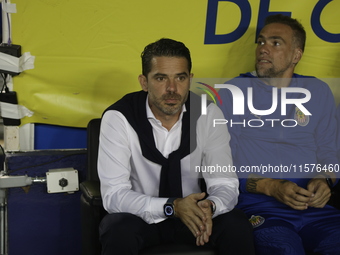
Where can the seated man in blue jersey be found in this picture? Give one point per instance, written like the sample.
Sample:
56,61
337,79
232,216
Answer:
149,142
283,141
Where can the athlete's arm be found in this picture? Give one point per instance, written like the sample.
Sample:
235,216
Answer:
284,191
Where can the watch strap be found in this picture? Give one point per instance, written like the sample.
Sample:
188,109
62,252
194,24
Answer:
213,207
171,200
328,180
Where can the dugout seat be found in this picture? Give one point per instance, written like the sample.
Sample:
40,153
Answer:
92,210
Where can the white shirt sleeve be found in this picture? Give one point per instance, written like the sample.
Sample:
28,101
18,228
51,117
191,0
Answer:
222,183
114,170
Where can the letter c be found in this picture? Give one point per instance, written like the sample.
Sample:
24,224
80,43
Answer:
316,23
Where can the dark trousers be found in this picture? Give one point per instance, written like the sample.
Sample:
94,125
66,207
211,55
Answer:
124,233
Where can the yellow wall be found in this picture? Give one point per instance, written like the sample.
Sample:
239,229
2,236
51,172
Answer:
88,52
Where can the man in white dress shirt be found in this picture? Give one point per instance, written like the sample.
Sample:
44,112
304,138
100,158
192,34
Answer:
151,146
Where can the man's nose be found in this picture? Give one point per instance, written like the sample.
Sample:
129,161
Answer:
172,85
263,48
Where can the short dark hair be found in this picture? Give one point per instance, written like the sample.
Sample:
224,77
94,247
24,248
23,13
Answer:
164,48
294,24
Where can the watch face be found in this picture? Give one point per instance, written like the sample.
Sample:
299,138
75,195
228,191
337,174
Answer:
168,210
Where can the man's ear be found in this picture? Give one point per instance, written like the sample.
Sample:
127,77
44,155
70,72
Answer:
143,82
297,56
191,76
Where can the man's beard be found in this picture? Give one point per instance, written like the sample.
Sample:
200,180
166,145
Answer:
170,109
269,72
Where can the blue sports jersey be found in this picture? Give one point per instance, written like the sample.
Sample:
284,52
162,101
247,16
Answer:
296,142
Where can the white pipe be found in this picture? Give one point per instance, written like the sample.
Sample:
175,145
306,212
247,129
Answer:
5,25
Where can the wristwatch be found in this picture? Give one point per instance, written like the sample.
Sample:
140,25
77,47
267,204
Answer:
169,209
213,207
328,180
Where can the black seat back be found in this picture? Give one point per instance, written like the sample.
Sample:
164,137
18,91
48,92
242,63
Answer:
93,130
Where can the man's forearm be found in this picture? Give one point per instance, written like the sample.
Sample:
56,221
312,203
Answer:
253,184
261,185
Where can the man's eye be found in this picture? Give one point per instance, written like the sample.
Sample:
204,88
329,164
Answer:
277,44
260,42
160,78
181,78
